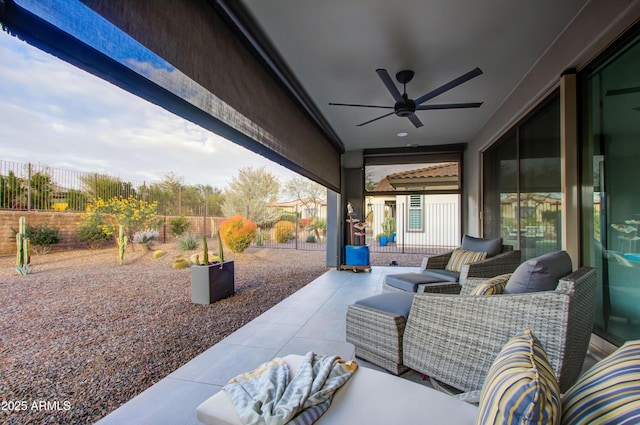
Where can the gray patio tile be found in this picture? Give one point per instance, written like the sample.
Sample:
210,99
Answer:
350,294
262,334
284,314
323,328
332,310
303,345
168,402
222,362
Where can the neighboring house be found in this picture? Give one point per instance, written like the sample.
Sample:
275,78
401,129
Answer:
307,208
421,219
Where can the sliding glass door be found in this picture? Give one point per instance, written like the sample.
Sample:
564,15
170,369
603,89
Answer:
522,200
610,176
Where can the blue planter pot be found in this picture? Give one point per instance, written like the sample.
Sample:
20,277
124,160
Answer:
383,241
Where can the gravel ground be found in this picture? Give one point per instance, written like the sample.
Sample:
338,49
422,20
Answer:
81,335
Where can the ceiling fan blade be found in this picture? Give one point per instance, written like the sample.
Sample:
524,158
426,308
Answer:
615,92
449,106
451,84
389,84
361,106
415,120
375,119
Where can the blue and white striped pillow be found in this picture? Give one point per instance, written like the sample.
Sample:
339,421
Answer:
608,393
520,388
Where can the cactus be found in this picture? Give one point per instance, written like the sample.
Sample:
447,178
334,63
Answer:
122,244
220,251
205,253
197,260
22,242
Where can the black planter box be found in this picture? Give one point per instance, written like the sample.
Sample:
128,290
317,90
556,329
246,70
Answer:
212,283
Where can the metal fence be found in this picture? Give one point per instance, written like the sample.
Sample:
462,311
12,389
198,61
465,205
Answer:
43,188
295,228
30,187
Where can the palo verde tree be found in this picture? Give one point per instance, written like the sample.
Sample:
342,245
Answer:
249,194
130,214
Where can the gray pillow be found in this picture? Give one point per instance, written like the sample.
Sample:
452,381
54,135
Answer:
540,273
490,246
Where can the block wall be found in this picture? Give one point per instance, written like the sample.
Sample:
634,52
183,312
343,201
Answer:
67,223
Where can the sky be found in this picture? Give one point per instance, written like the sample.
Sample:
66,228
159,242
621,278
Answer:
55,114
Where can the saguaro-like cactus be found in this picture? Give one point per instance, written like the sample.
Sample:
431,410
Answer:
205,251
220,251
22,243
122,244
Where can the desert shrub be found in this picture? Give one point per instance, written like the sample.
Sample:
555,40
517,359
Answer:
311,239
188,241
145,236
42,237
178,225
238,232
284,231
318,224
94,231
288,216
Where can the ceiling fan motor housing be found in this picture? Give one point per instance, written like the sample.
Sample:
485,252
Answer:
406,108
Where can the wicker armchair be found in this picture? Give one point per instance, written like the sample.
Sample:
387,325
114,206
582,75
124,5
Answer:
455,338
503,263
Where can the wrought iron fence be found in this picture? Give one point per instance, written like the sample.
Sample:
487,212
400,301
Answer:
30,187
40,187
429,224
296,227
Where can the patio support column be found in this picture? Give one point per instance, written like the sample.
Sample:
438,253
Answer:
333,229
569,165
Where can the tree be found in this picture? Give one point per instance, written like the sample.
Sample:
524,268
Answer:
307,192
41,191
250,193
102,186
12,191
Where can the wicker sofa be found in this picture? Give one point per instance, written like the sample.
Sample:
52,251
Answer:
434,270
517,390
455,338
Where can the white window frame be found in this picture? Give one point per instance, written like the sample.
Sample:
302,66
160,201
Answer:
413,208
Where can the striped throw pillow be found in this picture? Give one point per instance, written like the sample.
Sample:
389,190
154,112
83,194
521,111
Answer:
608,393
520,388
460,257
493,286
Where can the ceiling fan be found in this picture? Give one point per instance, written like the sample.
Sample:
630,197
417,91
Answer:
406,107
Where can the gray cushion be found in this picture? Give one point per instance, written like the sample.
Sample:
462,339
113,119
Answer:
491,246
409,281
540,273
442,275
398,303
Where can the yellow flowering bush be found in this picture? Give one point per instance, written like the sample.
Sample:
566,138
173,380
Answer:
130,213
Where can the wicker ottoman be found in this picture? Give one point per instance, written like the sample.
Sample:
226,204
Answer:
375,326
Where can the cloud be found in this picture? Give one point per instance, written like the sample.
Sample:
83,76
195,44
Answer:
55,114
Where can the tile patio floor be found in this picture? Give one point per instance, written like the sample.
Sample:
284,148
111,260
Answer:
312,319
